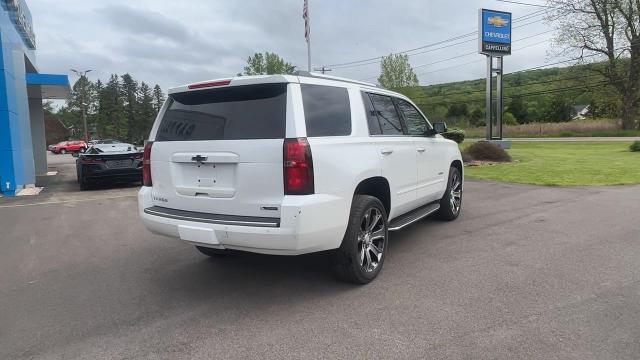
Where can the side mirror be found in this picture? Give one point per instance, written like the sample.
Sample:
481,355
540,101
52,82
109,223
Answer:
439,127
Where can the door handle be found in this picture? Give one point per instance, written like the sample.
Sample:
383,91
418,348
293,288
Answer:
421,149
386,151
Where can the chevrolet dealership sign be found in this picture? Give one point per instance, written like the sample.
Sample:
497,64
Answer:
21,18
495,32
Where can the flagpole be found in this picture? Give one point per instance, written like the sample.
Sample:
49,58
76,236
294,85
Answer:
308,39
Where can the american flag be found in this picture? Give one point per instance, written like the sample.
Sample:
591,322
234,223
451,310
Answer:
305,16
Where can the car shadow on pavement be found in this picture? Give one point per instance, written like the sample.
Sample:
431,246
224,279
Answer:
253,281
258,274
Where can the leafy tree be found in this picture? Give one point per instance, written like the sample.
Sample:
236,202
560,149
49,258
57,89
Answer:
118,109
146,113
609,29
476,117
158,98
509,119
81,95
130,90
457,110
533,115
267,64
97,118
559,109
518,109
112,108
396,72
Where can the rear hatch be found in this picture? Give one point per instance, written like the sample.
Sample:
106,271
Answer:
220,150
119,156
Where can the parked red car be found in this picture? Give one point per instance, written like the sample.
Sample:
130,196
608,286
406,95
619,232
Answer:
69,147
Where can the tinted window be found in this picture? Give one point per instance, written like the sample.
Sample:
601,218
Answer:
413,120
372,118
326,110
387,114
240,112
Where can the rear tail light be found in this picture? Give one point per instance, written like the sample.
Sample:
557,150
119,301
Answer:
209,84
298,167
89,160
146,164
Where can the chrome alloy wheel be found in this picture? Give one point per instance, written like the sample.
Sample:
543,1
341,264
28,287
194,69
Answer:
455,197
371,239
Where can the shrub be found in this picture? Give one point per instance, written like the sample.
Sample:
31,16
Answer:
454,134
486,151
476,118
466,158
509,119
635,146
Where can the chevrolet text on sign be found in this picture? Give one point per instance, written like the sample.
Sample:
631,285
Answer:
495,32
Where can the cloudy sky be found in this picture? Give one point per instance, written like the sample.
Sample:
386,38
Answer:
177,42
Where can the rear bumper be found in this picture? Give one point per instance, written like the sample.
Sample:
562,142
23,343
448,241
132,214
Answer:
307,224
94,174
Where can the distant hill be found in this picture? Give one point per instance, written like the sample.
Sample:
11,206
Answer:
544,94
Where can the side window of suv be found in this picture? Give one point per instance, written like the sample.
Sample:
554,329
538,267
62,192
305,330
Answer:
327,110
416,124
388,117
372,118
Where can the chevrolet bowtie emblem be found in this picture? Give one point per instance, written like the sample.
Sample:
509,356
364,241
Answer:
497,21
199,158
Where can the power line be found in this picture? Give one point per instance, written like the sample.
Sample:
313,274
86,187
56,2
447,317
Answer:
470,53
540,66
418,53
525,94
510,87
378,59
475,51
459,37
527,4
405,51
482,60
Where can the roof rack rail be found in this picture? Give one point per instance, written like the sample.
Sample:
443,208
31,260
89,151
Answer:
329,77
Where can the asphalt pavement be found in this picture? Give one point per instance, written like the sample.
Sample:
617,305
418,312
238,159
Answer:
525,272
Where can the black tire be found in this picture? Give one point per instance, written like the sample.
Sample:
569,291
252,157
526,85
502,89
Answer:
84,184
213,252
451,202
365,241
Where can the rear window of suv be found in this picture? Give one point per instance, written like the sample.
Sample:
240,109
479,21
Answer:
231,113
327,111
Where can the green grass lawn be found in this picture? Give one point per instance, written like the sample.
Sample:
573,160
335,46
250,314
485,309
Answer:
565,164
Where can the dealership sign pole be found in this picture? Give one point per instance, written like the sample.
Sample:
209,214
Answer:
494,40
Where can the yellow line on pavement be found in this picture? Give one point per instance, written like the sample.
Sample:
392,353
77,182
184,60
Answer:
66,201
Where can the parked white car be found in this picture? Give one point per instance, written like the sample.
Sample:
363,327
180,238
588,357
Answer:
293,164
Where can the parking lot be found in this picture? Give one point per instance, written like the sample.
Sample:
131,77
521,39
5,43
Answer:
526,272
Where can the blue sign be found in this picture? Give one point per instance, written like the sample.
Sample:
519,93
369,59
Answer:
495,32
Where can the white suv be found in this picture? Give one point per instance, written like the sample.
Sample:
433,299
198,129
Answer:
293,164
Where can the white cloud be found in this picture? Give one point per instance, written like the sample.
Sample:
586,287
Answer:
172,43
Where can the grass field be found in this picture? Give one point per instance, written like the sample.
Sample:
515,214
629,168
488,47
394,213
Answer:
565,164
579,128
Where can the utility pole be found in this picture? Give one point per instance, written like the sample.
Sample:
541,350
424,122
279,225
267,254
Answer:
83,105
323,69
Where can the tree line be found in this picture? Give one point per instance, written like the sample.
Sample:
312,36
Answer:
121,108
605,34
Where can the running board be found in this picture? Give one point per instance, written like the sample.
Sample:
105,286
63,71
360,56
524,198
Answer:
413,216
